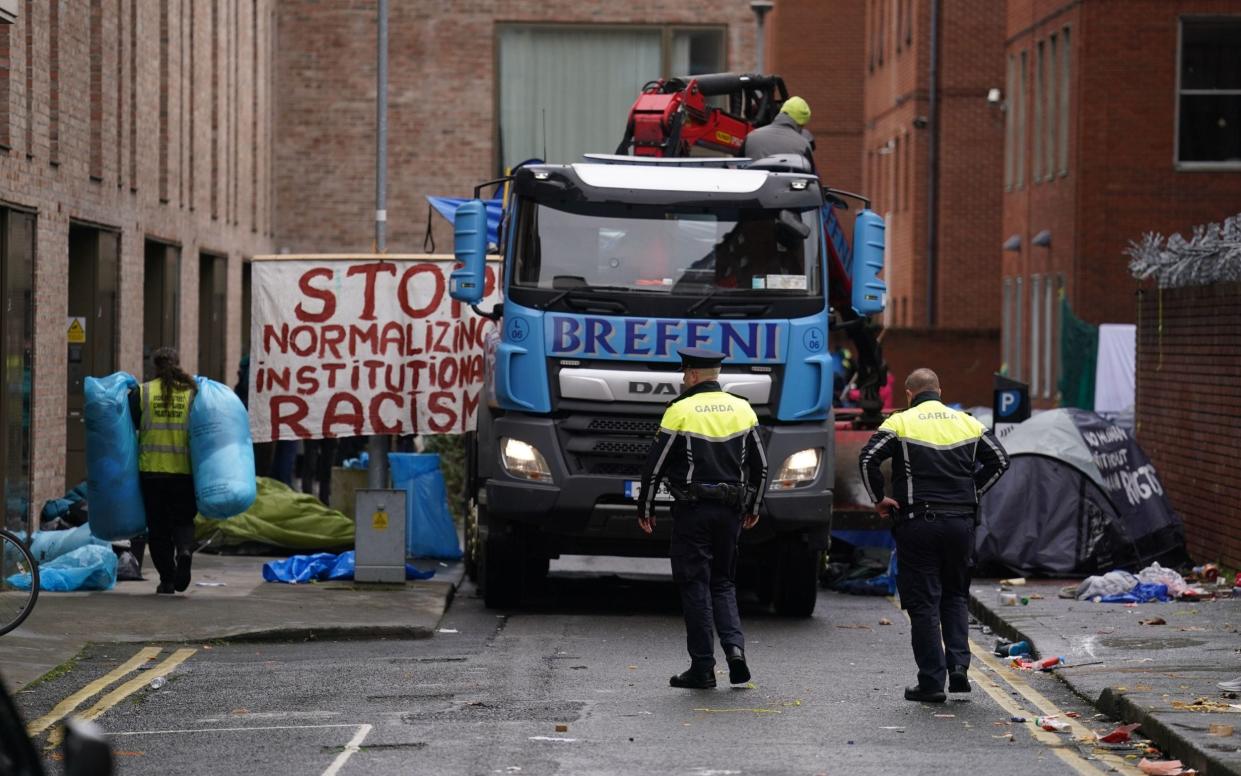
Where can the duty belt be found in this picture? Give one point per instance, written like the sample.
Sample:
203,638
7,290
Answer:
730,494
933,508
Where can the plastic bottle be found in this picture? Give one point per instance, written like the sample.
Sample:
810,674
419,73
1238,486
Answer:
158,682
1052,724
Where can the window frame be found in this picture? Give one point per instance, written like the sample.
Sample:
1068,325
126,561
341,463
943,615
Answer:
1066,99
1178,92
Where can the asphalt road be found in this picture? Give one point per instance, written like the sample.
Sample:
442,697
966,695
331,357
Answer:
574,684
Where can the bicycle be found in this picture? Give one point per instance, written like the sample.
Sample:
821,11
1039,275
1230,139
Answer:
19,581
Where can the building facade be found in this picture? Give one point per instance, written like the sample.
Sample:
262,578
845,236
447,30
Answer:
931,152
1124,117
135,180
475,88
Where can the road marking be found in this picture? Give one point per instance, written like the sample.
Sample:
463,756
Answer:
1060,745
121,692
231,730
351,748
70,703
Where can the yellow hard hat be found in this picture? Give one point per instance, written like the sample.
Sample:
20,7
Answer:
798,109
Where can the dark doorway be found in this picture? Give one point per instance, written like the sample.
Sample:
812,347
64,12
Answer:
161,300
212,304
90,330
17,243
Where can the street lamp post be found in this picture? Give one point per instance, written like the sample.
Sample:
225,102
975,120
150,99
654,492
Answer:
377,444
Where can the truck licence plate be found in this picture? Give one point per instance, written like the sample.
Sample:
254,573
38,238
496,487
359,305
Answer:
633,490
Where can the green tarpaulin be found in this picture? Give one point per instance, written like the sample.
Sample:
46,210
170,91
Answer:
283,518
1079,354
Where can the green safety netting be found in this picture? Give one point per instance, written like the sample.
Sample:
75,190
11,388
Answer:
1079,352
280,517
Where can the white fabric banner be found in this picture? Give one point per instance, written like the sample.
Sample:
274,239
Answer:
358,347
1115,377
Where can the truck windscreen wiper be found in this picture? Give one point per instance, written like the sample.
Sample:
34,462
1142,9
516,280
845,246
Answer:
583,293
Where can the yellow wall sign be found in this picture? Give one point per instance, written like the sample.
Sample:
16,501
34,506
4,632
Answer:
379,521
77,330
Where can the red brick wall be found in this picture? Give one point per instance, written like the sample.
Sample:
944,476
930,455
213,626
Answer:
1189,409
1122,180
85,146
442,105
964,360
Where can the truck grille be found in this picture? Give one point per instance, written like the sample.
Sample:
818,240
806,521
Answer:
608,445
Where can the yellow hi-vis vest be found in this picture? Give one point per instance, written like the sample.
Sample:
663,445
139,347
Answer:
164,433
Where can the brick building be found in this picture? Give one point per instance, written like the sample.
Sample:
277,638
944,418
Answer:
932,161
1120,122
134,181
474,87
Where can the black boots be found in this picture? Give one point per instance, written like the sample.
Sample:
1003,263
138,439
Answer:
958,681
182,579
916,693
694,679
738,671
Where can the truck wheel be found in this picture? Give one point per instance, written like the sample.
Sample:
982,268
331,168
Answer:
797,580
500,571
474,514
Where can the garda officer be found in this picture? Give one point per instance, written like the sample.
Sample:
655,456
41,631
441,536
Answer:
161,413
709,452
942,462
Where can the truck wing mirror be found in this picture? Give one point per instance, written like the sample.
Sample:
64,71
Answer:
791,231
466,284
870,292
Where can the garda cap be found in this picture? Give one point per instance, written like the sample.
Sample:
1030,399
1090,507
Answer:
700,358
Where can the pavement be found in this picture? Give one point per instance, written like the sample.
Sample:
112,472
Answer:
1161,675
227,600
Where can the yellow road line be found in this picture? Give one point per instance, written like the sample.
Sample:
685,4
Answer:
1056,742
125,690
1016,681
76,699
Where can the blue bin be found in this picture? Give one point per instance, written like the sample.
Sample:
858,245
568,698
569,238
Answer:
429,530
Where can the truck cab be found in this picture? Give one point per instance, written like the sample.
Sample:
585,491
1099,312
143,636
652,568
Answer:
610,266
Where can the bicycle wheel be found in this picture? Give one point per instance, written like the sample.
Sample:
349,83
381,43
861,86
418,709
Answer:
19,581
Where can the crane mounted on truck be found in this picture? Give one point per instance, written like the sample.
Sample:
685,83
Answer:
610,265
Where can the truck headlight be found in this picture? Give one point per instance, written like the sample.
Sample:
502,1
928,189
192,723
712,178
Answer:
798,469
523,460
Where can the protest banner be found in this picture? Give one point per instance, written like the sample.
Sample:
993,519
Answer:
358,346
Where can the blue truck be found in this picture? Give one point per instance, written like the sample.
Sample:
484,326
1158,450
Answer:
608,266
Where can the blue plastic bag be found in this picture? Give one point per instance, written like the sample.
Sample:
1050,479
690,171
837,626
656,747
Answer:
221,451
112,487
1144,593
46,546
322,567
429,530
92,567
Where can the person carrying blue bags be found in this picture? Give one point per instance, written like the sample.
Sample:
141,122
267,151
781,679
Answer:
161,414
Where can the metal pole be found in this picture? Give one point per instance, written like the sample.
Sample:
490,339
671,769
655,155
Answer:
932,196
377,445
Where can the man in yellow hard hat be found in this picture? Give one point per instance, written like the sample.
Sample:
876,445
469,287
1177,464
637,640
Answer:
786,134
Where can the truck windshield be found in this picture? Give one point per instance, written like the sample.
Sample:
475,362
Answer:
669,251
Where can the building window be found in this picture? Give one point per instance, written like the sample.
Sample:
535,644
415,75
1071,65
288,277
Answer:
1019,328
1050,121
6,71
1066,81
1036,164
1209,111
909,22
1010,123
566,90
1049,333
17,246
1006,318
1036,331
1022,89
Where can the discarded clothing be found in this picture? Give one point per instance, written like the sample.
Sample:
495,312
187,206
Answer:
322,567
1143,593
1111,583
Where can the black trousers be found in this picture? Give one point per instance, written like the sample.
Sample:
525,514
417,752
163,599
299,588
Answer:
170,507
934,555
704,565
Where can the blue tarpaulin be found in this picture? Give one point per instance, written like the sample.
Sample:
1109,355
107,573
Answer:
447,207
1144,593
322,567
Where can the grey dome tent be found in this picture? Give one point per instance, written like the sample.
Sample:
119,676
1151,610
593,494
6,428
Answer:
1079,498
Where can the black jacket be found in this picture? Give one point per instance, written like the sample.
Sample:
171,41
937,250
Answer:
940,457
707,437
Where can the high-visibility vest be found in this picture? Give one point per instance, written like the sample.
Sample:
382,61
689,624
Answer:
164,433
